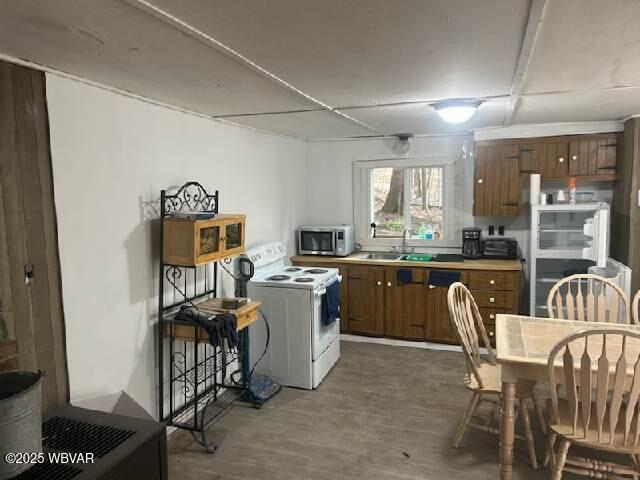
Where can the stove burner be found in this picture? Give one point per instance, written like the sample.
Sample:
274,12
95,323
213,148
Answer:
292,269
279,278
316,271
304,279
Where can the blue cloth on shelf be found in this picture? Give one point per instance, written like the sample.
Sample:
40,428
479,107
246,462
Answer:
443,278
403,276
330,304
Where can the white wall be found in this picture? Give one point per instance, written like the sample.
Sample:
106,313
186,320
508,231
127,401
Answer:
110,154
330,170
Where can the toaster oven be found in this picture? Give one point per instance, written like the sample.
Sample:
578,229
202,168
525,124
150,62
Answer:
506,248
335,240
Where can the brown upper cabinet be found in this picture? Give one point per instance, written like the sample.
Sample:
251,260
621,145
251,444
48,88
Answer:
502,165
593,156
497,181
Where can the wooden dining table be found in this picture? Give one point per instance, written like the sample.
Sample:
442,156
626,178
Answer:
523,345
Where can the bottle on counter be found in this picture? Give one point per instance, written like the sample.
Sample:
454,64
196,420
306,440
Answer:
571,184
429,233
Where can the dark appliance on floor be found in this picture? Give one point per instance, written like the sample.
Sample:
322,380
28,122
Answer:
504,248
471,243
123,447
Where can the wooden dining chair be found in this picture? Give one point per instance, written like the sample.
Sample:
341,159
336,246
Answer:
601,373
635,308
588,297
483,376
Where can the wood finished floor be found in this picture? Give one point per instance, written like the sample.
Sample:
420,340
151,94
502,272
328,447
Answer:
382,413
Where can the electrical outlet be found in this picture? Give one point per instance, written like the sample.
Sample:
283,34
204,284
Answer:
501,230
491,230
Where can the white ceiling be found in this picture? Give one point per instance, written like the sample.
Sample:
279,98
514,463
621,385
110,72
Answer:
283,65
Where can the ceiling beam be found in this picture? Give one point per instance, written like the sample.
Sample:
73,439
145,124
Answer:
537,11
188,29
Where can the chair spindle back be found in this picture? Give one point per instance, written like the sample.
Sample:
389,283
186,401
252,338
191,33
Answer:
588,297
464,314
595,368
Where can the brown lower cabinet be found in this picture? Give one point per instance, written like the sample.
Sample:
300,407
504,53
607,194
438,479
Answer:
374,304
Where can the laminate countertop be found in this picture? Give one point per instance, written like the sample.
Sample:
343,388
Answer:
358,258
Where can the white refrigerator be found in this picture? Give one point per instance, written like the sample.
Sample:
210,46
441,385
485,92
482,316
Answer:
568,239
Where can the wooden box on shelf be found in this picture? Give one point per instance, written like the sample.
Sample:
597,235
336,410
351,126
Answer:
246,314
194,242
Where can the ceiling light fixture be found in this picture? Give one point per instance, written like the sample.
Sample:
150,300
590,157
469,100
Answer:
456,111
401,145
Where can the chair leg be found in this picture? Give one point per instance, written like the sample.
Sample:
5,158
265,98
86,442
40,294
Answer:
556,474
540,413
528,435
464,422
548,454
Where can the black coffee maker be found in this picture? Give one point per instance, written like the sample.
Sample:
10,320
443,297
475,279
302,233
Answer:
471,244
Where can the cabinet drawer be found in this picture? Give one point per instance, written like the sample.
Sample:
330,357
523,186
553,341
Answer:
497,281
502,300
491,333
489,280
488,314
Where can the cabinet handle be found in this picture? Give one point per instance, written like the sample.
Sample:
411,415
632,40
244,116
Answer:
431,287
561,160
492,316
492,282
574,157
491,334
479,180
388,284
492,300
379,284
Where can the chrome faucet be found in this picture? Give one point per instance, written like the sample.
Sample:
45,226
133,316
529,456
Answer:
404,249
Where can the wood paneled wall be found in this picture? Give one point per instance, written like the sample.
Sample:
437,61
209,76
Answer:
625,225
32,312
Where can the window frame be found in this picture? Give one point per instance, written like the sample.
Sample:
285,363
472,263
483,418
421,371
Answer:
363,207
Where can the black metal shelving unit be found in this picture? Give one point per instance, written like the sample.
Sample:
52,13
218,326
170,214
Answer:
196,385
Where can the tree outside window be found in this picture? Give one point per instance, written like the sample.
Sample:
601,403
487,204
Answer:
407,198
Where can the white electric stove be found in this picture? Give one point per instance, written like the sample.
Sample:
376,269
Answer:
302,350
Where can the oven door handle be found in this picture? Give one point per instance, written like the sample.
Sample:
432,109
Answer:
323,290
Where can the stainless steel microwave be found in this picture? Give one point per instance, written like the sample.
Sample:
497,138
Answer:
336,240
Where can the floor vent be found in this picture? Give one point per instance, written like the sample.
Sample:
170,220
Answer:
75,436
48,471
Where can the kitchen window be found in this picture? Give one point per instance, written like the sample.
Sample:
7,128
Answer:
416,195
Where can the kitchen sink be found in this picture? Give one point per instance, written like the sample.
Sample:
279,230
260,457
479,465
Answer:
383,256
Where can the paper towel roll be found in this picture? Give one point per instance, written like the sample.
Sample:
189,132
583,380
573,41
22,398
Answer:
534,189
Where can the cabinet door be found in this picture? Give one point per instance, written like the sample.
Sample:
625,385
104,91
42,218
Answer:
531,159
233,235
593,155
497,181
549,159
583,157
555,160
405,305
510,191
439,326
484,199
607,155
366,299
